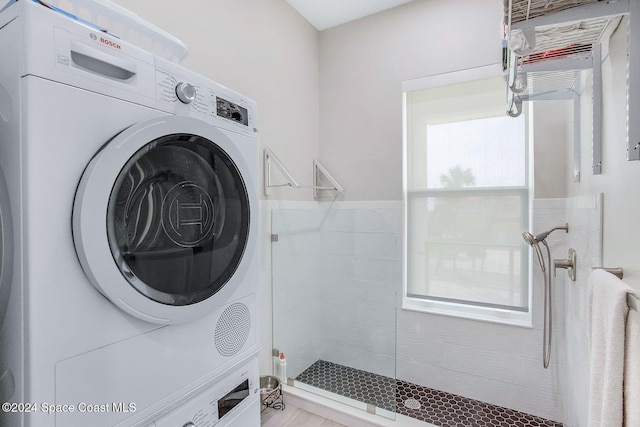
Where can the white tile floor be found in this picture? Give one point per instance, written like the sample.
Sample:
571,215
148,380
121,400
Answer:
326,412
293,416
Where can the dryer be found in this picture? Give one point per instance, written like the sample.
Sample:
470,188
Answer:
132,191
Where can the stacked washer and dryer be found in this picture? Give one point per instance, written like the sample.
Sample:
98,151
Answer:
128,213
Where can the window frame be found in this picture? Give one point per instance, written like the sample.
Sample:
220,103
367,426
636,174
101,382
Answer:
477,311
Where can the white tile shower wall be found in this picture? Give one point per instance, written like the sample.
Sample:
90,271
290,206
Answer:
335,271
295,271
584,215
494,363
359,281
270,315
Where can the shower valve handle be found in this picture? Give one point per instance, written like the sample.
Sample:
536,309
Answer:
569,264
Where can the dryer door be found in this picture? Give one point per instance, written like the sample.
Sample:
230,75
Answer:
162,219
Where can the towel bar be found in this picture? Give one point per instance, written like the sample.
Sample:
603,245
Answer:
632,300
617,271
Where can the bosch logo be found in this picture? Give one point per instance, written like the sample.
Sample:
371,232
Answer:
110,43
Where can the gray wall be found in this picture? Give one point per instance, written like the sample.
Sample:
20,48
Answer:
362,65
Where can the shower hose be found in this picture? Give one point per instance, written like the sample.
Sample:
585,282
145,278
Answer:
546,345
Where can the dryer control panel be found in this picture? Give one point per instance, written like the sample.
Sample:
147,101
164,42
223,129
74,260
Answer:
232,400
181,92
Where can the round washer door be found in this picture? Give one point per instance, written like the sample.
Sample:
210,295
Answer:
162,219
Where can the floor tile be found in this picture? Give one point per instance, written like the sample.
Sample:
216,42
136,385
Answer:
415,401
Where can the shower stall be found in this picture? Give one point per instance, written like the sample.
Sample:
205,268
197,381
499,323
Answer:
335,275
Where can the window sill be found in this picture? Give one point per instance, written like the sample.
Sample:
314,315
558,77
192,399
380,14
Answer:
472,312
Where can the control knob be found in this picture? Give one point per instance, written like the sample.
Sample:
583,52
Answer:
186,92
189,424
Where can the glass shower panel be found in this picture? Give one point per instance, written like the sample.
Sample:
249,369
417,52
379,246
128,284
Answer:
335,275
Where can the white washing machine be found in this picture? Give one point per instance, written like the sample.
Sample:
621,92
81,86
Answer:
132,217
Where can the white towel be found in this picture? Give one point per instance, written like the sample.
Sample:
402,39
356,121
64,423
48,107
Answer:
632,369
609,309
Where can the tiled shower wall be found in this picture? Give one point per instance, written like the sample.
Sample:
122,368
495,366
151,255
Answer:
494,363
340,252
337,270
584,215
359,277
295,272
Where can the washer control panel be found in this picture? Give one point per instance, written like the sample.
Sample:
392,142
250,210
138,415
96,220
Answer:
232,394
171,90
186,92
206,100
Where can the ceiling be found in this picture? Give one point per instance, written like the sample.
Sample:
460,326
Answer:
324,14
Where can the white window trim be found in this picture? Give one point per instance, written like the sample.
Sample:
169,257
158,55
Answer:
453,309
467,311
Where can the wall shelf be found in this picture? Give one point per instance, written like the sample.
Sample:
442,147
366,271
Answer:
548,48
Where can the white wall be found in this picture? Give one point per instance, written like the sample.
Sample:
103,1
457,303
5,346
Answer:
620,178
620,212
584,215
263,49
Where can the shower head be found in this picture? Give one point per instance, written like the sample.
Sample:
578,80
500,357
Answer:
529,238
540,238
533,242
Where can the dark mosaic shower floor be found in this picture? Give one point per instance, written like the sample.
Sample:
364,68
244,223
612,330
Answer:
425,404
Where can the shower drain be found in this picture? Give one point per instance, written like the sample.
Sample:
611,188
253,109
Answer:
412,404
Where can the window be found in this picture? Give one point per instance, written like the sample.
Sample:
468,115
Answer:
466,200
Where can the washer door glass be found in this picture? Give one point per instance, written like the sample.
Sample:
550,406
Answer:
178,219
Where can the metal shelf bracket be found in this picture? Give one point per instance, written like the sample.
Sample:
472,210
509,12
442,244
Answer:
320,176
320,173
270,159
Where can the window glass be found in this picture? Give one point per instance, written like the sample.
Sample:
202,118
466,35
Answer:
476,153
467,248
467,201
